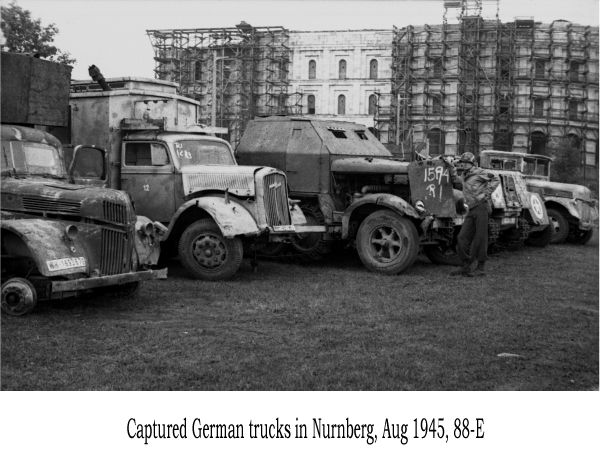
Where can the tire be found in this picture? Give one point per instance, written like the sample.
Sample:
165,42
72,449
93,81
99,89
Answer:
311,245
207,254
443,254
19,297
387,243
559,224
540,239
272,249
580,237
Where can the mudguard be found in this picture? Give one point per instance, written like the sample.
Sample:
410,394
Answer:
385,200
232,218
147,247
297,215
43,241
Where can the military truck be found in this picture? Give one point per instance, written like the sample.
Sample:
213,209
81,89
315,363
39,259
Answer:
180,174
571,209
349,182
59,238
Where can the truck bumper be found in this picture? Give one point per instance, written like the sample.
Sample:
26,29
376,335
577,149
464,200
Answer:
104,281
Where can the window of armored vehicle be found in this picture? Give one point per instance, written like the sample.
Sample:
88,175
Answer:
338,133
361,135
36,158
312,69
203,152
146,154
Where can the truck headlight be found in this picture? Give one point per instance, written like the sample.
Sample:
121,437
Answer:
71,232
146,229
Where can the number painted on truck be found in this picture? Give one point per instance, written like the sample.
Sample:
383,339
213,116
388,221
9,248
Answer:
436,174
147,187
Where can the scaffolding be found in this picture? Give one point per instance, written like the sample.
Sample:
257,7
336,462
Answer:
240,72
483,84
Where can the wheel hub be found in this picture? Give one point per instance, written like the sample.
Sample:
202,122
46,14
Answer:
209,251
17,298
386,243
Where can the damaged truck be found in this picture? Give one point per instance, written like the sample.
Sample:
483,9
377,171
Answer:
180,174
60,237
347,181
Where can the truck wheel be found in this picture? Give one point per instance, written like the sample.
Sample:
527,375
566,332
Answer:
580,237
312,245
272,249
387,243
18,296
207,254
442,253
540,239
559,224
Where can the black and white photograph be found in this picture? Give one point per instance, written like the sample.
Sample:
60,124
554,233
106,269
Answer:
358,231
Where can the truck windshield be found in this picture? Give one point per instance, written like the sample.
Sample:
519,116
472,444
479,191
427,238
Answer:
27,158
198,152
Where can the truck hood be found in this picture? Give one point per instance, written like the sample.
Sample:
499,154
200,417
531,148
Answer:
237,180
560,189
39,196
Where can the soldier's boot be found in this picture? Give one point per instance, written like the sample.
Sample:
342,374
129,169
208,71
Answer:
480,269
464,270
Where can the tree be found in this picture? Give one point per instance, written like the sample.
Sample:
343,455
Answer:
23,34
567,160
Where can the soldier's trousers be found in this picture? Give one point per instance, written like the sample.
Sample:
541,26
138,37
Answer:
473,236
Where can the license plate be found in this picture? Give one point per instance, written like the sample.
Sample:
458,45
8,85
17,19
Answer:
66,263
284,228
507,220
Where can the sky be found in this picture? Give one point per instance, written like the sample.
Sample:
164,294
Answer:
112,34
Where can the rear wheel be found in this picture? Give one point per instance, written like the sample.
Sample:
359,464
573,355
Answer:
19,297
207,254
559,224
387,243
580,237
443,253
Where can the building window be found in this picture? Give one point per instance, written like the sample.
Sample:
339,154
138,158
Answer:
504,68
573,110
574,71
468,141
437,142
312,69
436,101
372,104
342,69
373,69
574,140
539,68
503,141
438,67
311,105
538,107
538,143
341,105
197,70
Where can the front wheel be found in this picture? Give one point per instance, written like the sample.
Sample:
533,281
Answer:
19,297
443,253
387,243
559,224
540,239
580,237
207,254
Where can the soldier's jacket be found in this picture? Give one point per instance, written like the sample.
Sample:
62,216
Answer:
477,184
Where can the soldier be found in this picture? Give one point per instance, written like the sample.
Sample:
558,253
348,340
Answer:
477,185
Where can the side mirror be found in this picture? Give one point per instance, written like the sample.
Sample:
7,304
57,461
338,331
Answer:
88,165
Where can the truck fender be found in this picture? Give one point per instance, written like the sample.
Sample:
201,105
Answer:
232,218
43,241
148,235
385,200
568,204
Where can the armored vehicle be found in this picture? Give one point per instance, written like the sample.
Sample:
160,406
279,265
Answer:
61,238
180,174
571,209
349,182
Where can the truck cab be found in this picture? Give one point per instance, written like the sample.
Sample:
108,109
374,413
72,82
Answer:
181,174
571,209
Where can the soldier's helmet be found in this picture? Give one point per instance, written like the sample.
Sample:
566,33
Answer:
467,158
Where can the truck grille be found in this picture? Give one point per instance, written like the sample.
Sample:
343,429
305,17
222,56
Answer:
584,211
44,204
114,212
276,203
114,256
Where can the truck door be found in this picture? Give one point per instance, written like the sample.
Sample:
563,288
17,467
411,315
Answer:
147,173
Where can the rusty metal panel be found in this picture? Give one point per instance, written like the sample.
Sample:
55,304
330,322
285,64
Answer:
430,182
34,91
369,166
306,167
264,143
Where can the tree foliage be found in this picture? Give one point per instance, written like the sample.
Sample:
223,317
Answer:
567,160
23,34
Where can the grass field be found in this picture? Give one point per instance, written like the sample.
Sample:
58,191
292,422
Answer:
532,324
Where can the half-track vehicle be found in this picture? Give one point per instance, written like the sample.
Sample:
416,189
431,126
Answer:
60,238
571,209
349,182
180,174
